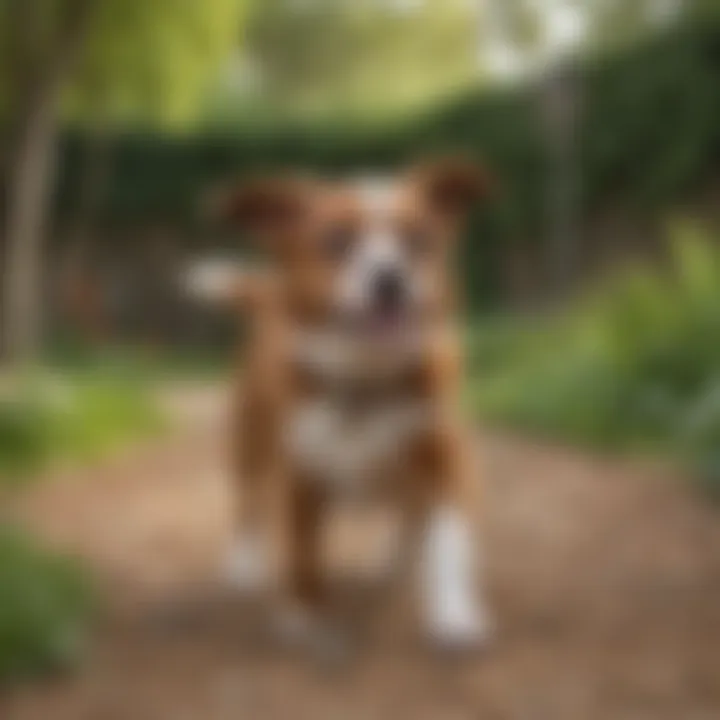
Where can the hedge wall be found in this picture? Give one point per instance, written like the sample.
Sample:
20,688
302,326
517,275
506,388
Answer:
649,132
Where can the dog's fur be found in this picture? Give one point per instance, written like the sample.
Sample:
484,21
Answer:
333,406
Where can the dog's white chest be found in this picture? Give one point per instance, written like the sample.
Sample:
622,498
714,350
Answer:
345,451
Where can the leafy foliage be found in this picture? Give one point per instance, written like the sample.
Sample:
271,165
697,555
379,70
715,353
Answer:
45,604
154,59
634,364
649,135
354,57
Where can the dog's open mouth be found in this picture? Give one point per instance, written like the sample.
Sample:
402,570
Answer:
383,326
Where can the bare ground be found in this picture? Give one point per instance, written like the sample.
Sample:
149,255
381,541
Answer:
604,576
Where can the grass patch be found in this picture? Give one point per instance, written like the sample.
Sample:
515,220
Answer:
48,417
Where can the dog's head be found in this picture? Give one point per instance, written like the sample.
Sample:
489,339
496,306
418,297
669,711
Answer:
369,254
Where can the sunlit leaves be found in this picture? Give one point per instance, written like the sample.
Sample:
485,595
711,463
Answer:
154,59
358,57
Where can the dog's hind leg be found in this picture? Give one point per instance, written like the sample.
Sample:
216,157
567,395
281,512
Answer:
249,564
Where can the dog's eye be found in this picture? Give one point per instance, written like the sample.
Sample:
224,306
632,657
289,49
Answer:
338,243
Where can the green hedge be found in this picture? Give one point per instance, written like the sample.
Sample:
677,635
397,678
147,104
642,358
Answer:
649,132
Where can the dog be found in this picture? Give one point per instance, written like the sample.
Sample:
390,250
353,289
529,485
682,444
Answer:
350,384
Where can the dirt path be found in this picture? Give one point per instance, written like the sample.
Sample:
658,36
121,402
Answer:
605,579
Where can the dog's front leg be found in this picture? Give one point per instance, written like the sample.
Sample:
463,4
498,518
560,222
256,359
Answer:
452,606
302,612
304,581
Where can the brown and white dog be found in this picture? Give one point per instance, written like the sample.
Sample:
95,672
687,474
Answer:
350,383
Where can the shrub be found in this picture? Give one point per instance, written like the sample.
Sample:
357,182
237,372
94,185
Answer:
634,364
45,604
24,436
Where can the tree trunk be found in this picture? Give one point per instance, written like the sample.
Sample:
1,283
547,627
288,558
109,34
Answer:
29,185
39,82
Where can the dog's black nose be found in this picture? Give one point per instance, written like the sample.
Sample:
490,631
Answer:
388,289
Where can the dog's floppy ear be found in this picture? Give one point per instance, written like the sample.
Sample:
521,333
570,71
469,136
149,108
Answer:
263,207
451,185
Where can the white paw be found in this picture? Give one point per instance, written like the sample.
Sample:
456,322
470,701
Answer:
462,628
246,566
454,614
